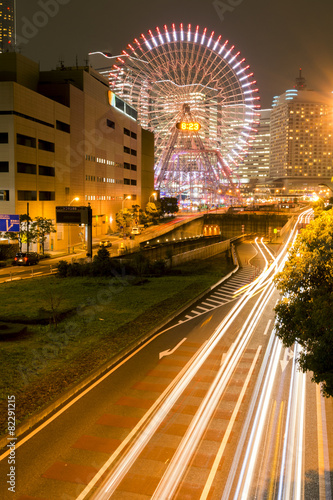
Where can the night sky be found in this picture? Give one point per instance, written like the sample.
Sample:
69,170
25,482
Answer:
275,37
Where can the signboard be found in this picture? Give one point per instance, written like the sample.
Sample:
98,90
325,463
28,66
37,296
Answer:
73,215
10,223
188,126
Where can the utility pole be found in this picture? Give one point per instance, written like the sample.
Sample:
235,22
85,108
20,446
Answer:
27,227
89,235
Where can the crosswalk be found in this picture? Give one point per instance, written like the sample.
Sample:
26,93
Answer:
222,294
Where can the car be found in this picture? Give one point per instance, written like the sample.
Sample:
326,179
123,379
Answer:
26,259
136,230
105,243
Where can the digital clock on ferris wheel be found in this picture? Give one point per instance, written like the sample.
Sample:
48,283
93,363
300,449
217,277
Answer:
188,126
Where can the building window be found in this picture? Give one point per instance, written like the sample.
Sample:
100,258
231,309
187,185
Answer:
27,195
133,167
133,182
4,166
64,127
127,132
110,123
25,140
46,195
133,152
26,168
127,150
127,165
44,170
127,181
46,145
3,137
133,135
4,195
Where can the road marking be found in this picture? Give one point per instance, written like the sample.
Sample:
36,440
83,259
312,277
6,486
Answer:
171,351
214,301
205,492
267,327
206,321
288,353
276,451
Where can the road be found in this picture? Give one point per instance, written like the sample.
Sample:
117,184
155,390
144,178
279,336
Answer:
212,407
49,266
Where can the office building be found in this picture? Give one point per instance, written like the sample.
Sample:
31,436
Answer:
64,136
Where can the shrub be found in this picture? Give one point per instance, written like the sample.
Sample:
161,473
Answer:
62,268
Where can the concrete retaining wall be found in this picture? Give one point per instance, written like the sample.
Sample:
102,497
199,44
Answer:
201,253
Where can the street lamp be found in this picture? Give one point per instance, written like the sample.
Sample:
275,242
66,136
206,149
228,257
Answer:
69,233
127,198
154,195
74,199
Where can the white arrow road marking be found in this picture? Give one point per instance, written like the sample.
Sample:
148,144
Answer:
171,351
287,353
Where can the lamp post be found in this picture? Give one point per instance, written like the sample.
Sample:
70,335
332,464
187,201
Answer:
122,203
154,195
69,233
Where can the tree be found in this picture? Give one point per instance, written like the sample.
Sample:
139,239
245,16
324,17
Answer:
153,210
305,312
123,218
42,227
27,232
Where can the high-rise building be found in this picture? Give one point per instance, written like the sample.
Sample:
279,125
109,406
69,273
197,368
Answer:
255,167
301,138
7,25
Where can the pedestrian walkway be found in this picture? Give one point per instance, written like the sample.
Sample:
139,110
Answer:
224,293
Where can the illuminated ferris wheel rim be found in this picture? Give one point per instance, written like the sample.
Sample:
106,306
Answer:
242,89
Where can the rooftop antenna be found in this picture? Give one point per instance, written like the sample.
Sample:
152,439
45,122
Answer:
300,82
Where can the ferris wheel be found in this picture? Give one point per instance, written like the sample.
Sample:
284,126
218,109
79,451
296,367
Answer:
198,95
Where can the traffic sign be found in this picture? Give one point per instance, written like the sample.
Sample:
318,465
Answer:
10,223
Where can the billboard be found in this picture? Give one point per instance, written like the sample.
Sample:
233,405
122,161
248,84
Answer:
73,215
10,223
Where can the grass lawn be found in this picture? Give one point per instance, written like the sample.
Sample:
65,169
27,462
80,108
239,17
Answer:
96,319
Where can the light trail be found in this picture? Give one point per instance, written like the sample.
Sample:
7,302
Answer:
149,424
171,397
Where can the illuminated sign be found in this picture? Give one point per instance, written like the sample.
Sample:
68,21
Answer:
188,126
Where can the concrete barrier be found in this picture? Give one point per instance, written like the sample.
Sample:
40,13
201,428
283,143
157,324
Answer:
201,253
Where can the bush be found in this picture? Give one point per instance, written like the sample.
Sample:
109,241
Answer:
62,268
102,255
8,252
